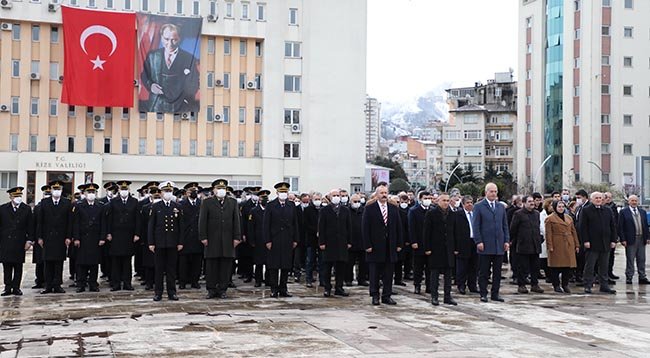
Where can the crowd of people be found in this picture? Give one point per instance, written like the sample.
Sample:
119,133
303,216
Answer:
172,237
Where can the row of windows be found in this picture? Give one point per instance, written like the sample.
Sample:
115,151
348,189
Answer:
628,31
605,149
628,4
467,135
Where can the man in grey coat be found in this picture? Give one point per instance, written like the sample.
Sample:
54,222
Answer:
220,233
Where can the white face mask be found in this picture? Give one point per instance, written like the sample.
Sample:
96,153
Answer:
90,196
323,204
345,199
336,200
146,196
238,200
167,195
457,203
426,202
297,203
45,196
304,205
355,205
157,200
17,200
579,201
283,196
124,193
403,205
110,194
82,196
362,200
255,198
248,197
565,198
56,194
317,203
220,193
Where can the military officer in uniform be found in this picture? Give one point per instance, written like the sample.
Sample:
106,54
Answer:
111,191
245,252
79,196
281,236
87,238
122,230
165,240
191,257
16,225
140,245
53,234
37,250
255,236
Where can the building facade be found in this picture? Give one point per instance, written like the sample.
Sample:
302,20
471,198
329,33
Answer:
584,92
309,77
373,127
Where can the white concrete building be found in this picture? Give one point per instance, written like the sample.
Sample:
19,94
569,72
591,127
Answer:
583,93
310,55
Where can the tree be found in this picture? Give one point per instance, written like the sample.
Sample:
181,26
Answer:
473,189
397,172
469,175
490,173
398,185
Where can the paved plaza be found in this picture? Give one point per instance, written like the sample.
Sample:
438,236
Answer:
250,323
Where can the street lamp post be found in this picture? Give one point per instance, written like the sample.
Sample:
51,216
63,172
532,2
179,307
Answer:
599,168
452,173
539,170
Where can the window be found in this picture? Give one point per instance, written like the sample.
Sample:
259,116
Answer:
576,149
293,182
54,34
258,81
627,90
209,148
576,5
292,49
529,48
89,144
529,100
15,68
244,11
33,143
529,153
627,61
145,5
142,116
225,148
293,16
72,111
452,135
213,8
125,146
125,113
605,30
161,6
226,114
15,32
159,146
92,3
36,33
605,61
576,35
629,4
241,149
628,31
14,142
607,3
107,145
142,146
604,148
242,48
210,79
473,135
627,149
576,120
35,67
452,151
292,150
54,107
179,6
127,4
52,143
209,113
160,117
261,12
292,83
258,115
9,179
576,62
211,46
15,105
109,4
529,22
54,71
33,108
576,91
291,116
470,119
604,119
627,120
604,89
226,80
196,8
193,147
226,46
229,9
256,149
242,81
258,49
242,115
473,151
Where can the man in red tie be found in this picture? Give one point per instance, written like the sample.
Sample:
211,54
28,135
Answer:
382,240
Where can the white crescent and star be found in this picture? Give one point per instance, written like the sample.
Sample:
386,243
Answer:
102,30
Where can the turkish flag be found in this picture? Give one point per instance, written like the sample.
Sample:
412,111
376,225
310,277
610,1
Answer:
99,55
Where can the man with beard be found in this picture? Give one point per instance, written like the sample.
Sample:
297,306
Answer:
53,234
122,230
87,238
16,225
255,230
334,240
281,236
220,233
191,257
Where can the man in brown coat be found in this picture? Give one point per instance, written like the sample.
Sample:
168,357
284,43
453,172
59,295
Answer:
220,233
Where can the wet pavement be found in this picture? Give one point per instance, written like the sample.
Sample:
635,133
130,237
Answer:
249,323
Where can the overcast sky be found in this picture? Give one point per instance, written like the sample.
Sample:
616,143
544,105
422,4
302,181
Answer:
416,45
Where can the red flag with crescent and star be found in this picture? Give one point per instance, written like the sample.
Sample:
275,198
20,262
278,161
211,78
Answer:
99,57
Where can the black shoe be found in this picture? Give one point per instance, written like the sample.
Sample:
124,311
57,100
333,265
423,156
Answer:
80,289
348,283
128,288
417,290
427,290
6,292
612,276
643,281
223,295
536,289
309,285
72,285
157,298
375,301
388,301
285,294
450,301
557,289
37,287
400,283
341,293
611,282
172,297
462,291
211,295
46,291
473,290
566,289
94,289
231,285
58,289
434,301
114,288
484,299
608,290
327,294
182,286
628,281
522,290
364,283
588,290
274,295
17,292
148,287
257,284
497,298
249,279
196,286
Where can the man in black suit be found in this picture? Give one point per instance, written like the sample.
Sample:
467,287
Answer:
53,234
415,222
255,237
171,76
356,253
334,230
633,231
467,258
16,225
382,240
598,234
37,250
88,238
191,257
